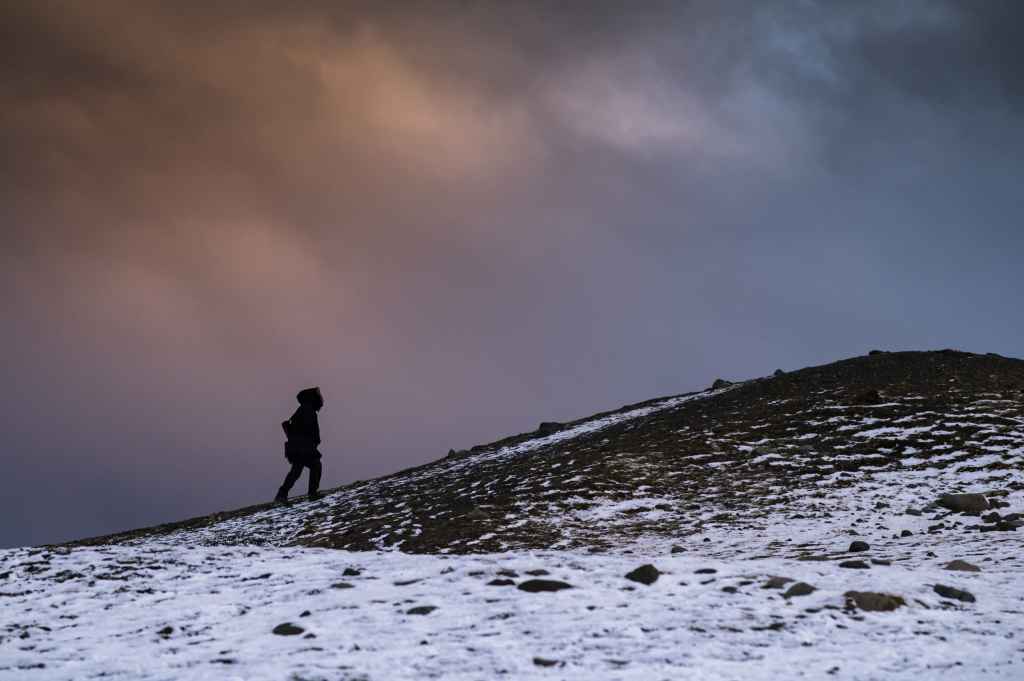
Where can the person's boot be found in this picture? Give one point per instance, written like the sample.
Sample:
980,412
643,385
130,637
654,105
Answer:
314,495
282,497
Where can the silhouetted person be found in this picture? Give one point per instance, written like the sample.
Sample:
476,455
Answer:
303,433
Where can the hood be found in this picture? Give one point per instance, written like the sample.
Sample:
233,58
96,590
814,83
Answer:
311,397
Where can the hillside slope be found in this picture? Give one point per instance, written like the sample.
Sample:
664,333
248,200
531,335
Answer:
848,446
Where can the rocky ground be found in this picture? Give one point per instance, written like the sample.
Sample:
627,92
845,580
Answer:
857,520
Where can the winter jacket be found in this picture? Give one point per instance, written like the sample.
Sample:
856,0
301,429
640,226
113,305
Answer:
303,428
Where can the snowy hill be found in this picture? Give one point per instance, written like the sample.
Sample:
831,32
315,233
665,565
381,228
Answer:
835,478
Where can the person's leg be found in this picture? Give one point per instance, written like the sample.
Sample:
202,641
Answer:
289,480
314,477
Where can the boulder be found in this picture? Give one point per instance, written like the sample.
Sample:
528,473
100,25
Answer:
956,594
961,565
871,601
858,546
868,397
720,383
645,574
539,585
549,428
855,565
799,589
776,582
972,504
779,372
421,610
287,629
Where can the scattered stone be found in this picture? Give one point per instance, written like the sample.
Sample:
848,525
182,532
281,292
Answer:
1002,526
873,353
870,601
544,662
288,629
421,610
858,546
720,383
676,548
501,582
342,585
351,572
505,572
913,511
477,514
645,574
305,613
906,533
992,517
166,631
799,589
539,572
961,565
776,582
880,561
539,585
729,589
705,571
855,565
957,594
779,372
972,504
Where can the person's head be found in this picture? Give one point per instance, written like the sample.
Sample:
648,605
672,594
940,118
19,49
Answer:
311,397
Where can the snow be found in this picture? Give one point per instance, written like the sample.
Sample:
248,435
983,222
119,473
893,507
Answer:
223,603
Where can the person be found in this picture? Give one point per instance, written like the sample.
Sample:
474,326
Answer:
302,431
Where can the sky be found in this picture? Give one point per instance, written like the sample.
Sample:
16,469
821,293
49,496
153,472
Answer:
460,219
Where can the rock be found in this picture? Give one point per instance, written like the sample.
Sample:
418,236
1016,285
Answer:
645,574
972,504
539,585
342,585
676,548
874,353
858,546
1001,526
961,565
855,565
501,582
913,511
287,629
421,610
477,514
544,662
880,561
705,571
166,631
549,428
992,517
906,533
351,572
539,572
957,594
868,397
799,589
776,582
720,383
871,601
779,372
305,613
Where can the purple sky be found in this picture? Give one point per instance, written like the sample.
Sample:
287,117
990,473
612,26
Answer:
460,219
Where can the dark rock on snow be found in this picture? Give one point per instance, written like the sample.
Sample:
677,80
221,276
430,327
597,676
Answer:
964,503
645,574
855,565
538,585
956,594
871,601
421,610
858,546
288,629
962,566
799,589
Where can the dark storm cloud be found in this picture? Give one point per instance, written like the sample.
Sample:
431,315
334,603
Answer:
461,218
